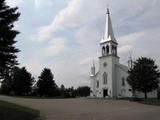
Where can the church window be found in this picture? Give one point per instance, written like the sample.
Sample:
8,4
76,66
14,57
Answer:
103,50
97,84
104,64
107,49
113,50
123,81
105,78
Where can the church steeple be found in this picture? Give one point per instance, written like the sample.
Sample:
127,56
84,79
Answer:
108,42
108,33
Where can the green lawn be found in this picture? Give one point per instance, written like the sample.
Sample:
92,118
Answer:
151,102
9,111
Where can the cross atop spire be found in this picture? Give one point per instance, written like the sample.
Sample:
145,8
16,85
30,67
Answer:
108,35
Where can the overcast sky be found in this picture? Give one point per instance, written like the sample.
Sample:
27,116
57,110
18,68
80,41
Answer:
64,35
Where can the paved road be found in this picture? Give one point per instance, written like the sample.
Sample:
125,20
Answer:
89,109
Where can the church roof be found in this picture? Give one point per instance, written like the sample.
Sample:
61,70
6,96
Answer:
122,67
108,34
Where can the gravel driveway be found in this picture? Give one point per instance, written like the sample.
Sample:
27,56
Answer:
89,109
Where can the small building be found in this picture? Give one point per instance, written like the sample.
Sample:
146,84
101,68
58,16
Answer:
111,79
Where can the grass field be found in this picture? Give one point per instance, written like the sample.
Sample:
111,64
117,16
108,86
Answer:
154,102
9,111
149,101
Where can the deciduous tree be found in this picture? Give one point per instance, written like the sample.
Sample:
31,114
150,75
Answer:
144,76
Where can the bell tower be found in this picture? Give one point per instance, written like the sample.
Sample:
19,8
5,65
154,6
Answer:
108,42
108,61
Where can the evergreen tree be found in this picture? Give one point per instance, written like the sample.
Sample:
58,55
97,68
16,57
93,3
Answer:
71,92
7,41
6,86
62,90
46,85
83,91
144,76
22,81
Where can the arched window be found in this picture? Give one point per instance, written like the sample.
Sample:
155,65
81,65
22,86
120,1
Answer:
104,78
113,50
107,48
97,84
123,81
103,50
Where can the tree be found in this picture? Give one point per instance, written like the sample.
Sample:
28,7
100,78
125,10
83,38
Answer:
46,85
7,39
83,91
22,81
144,76
70,92
6,86
62,90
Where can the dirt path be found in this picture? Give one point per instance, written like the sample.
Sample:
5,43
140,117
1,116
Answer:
89,109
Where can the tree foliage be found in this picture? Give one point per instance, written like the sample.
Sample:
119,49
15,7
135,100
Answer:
46,85
8,50
62,91
83,91
144,76
19,82
6,86
22,81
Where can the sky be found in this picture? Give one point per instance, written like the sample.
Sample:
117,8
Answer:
64,35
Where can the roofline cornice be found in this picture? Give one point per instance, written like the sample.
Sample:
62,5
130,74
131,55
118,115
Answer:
108,42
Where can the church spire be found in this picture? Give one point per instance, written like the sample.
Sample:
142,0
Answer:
108,42
108,33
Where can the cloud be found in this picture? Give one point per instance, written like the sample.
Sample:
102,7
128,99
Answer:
14,3
71,39
92,37
40,3
34,66
56,46
143,43
45,32
131,38
71,17
125,49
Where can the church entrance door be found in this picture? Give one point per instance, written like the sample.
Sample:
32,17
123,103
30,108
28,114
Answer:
105,92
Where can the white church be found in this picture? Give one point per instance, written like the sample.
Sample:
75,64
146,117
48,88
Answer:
111,79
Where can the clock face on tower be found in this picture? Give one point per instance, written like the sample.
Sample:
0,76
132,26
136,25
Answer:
104,64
